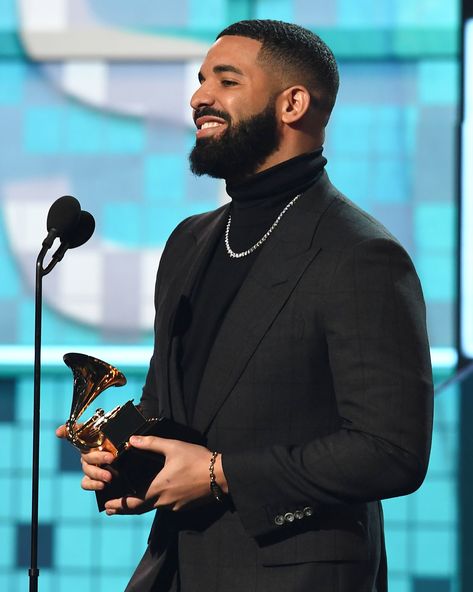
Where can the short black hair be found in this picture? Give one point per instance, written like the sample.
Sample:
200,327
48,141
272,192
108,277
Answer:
297,51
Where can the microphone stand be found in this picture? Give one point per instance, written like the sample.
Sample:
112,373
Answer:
40,273
74,227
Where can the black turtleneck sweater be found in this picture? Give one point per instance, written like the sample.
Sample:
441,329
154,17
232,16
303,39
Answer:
256,203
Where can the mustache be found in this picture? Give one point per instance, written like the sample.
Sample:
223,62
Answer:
209,111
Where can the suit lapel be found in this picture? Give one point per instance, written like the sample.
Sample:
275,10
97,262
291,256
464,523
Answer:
189,258
273,277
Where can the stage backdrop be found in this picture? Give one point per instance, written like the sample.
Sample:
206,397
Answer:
94,103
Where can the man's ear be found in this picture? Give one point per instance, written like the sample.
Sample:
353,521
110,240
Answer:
295,102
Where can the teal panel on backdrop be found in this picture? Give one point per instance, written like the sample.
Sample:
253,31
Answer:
434,551
44,130
165,177
211,15
8,14
274,9
115,230
397,547
437,274
436,502
124,135
84,130
438,82
12,81
435,226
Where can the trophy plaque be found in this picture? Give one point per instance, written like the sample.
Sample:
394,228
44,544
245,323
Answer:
133,469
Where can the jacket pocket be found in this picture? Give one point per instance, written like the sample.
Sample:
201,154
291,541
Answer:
317,545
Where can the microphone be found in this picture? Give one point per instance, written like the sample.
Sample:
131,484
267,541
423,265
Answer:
63,217
76,237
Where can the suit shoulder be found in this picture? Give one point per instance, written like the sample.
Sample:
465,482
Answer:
348,235
345,224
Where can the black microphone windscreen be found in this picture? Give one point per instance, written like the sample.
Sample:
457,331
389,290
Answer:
63,215
82,232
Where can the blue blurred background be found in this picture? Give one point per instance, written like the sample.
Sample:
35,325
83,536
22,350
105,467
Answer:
94,103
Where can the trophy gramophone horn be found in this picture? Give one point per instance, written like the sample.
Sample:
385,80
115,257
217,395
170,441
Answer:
91,377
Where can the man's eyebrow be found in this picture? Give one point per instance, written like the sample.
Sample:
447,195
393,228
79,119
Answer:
222,68
227,68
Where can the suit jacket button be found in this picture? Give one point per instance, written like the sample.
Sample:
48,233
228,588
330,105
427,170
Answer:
299,514
279,520
308,511
289,517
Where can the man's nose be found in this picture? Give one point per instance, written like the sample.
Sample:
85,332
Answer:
202,97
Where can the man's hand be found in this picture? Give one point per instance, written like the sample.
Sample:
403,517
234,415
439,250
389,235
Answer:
95,477
184,479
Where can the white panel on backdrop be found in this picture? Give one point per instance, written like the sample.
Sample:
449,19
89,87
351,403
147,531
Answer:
43,15
86,79
50,31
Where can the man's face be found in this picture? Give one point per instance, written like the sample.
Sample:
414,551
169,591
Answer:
234,111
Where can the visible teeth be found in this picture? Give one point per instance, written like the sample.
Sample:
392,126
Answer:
208,124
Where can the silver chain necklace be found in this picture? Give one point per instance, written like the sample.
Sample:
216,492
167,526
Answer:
262,239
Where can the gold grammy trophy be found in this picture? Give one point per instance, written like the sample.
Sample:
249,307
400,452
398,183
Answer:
91,377
133,469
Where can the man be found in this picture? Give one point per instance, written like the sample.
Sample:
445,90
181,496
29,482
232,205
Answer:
290,332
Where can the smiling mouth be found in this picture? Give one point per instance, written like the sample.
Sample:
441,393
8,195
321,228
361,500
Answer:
209,125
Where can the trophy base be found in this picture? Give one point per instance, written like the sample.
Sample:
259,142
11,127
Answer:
133,470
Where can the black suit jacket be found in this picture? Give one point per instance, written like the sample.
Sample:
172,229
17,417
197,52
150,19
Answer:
318,393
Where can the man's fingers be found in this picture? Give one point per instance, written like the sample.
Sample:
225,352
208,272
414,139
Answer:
153,443
125,505
96,457
61,431
91,485
96,473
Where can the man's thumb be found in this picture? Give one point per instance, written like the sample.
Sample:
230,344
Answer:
147,442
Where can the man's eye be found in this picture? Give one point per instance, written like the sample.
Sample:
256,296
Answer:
229,83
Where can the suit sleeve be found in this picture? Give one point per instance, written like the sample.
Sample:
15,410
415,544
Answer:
373,317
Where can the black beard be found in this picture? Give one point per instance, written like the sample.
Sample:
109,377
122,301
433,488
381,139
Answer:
241,149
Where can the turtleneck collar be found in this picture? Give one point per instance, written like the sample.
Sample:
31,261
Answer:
279,183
